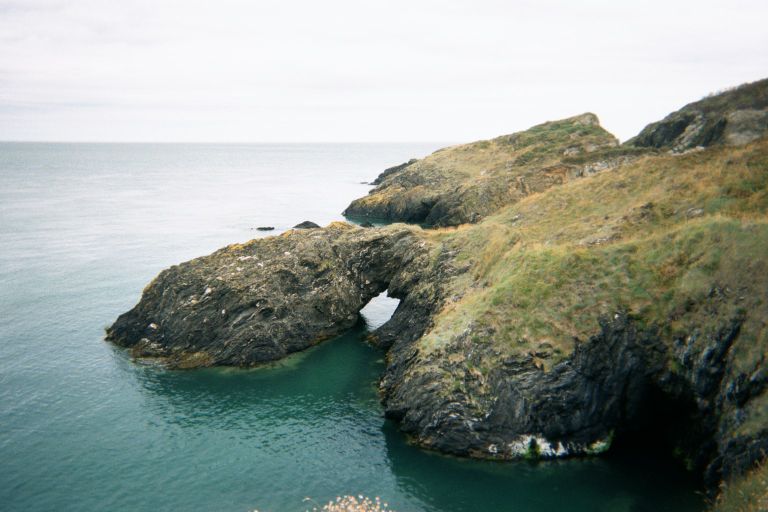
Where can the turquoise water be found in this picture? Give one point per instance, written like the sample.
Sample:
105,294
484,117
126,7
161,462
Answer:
85,227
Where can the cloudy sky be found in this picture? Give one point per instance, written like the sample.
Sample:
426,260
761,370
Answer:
338,70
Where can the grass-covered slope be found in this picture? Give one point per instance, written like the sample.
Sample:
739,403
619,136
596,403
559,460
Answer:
577,303
466,183
647,238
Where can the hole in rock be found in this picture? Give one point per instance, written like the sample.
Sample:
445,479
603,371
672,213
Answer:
379,310
661,428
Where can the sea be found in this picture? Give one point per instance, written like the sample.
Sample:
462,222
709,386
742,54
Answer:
83,427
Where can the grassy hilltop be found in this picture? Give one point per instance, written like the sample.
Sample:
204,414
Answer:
465,183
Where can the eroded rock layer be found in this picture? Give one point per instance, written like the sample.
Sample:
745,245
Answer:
260,301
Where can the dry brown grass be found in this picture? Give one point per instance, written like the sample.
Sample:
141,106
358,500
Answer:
651,237
489,174
748,493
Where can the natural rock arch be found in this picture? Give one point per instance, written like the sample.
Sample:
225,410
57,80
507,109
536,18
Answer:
257,302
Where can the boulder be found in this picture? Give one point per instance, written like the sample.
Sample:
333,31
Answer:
307,224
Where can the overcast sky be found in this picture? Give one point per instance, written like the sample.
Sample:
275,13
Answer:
337,70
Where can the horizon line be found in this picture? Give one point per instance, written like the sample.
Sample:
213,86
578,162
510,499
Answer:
219,142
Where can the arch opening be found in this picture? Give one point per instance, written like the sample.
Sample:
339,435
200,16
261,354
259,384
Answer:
379,310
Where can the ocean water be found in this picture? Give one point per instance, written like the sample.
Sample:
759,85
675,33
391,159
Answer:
83,227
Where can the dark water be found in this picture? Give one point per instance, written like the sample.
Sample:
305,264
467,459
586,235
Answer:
85,227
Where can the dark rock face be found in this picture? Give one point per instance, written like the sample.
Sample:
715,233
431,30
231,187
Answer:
616,383
307,224
735,117
257,302
706,378
520,410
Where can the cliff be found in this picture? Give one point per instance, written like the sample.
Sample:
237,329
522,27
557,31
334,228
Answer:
628,302
585,293
466,183
260,301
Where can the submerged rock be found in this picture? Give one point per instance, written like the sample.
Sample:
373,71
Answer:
265,228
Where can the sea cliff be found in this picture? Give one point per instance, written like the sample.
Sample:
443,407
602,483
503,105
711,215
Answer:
570,291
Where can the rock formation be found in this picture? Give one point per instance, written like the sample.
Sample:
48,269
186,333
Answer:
466,183
260,301
735,117
307,224
630,302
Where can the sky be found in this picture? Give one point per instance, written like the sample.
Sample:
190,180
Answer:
358,70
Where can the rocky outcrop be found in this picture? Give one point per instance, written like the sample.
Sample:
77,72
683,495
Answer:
256,302
735,117
515,408
605,306
469,400
466,183
307,224
392,170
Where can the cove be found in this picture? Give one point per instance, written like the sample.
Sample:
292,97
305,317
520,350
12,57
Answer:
312,427
85,428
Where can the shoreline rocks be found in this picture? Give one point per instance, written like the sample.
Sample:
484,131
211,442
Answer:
256,302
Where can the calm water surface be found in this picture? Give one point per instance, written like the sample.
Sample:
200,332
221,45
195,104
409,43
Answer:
83,428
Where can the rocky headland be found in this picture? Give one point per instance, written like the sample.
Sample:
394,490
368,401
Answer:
574,292
466,183
260,301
